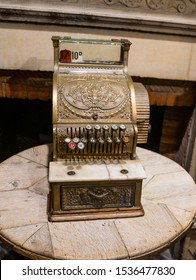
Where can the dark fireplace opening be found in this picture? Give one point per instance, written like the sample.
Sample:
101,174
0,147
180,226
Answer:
155,128
24,124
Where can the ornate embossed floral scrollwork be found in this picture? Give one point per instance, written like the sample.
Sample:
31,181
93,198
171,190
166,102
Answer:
179,5
84,95
97,196
132,3
174,6
127,3
155,4
110,2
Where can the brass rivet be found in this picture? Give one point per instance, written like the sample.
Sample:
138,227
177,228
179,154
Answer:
124,171
71,173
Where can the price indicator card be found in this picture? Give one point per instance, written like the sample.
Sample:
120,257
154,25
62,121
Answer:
88,52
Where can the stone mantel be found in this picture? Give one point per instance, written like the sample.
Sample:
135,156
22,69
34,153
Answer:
177,17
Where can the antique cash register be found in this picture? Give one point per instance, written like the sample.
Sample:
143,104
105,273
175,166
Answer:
99,116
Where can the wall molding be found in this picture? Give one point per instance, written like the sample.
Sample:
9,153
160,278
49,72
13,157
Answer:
172,6
176,17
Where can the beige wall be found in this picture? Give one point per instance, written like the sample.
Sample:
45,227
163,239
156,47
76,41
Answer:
29,47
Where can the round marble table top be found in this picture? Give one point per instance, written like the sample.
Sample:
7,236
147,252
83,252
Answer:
168,198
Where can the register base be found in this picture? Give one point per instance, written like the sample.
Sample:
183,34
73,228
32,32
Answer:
101,189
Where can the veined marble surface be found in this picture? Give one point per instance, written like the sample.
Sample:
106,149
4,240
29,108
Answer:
95,171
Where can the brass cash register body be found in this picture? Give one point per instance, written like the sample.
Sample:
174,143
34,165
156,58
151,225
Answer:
99,116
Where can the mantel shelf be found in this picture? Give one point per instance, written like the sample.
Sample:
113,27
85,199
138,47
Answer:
160,17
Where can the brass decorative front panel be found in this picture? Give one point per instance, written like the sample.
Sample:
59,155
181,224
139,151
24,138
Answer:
88,97
97,196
